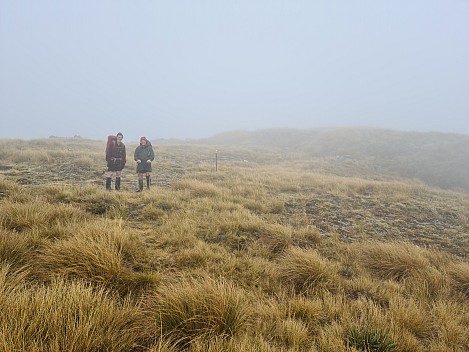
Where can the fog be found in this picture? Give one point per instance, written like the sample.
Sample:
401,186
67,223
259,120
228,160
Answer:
191,69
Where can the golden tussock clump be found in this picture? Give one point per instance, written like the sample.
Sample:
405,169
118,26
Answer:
396,261
198,308
99,252
66,316
459,274
197,188
306,270
38,215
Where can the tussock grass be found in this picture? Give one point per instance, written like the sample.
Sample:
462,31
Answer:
459,274
283,237
309,311
294,334
91,199
290,323
178,231
451,319
84,161
203,308
101,253
413,316
305,237
14,248
268,314
306,270
161,204
8,187
59,193
250,272
164,345
239,230
47,151
67,317
110,206
11,280
197,188
38,215
276,238
255,206
244,343
438,259
431,285
396,261
332,338
153,213
28,156
202,255
375,290
363,312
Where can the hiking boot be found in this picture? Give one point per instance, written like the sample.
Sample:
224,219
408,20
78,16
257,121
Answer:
140,186
148,182
118,183
108,183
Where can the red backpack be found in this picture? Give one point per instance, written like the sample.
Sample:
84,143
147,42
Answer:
110,139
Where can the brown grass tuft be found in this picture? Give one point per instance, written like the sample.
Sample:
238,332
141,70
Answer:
306,270
396,261
413,316
38,215
203,308
67,317
8,187
459,274
101,253
306,237
14,248
197,188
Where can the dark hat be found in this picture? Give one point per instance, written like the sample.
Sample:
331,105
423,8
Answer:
120,134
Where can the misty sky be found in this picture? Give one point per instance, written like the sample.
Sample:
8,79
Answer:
190,69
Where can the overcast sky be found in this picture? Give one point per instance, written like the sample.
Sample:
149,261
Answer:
190,69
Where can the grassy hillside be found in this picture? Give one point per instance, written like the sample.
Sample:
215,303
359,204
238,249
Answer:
438,159
263,255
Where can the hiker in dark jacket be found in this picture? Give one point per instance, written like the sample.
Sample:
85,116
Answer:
116,158
144,155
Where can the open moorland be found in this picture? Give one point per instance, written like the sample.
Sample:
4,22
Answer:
324,240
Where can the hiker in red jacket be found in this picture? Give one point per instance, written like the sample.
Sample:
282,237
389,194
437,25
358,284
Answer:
115,157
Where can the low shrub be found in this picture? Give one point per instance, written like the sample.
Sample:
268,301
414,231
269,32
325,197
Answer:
369,340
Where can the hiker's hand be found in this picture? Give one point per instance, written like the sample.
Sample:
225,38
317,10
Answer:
139,161
148,161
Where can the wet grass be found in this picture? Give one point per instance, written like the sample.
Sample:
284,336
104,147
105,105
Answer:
253,257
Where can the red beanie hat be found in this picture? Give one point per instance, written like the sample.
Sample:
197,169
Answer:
143,139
